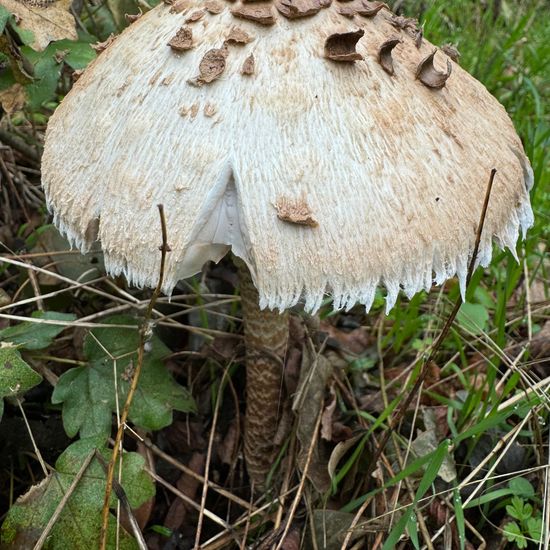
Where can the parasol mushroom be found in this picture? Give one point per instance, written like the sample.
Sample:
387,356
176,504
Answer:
328,145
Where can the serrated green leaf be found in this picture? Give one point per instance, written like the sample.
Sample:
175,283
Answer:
88,400
35,336
513,533
16,376
534,526
473,317
88,393
80,520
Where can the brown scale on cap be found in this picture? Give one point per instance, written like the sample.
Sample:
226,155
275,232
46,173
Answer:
293,9
361,7
213,6
238,36
451,51
196,15
341,46
295,211
249,66
211,67
259,13
183,40
429,75
384,54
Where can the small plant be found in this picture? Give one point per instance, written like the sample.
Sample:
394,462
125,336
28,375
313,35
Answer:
528,525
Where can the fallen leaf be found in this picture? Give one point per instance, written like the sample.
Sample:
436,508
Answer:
188,485
48,21
13,98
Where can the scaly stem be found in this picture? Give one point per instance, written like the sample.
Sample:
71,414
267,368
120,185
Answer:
265,336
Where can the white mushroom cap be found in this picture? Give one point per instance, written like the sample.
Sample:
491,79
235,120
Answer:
322,176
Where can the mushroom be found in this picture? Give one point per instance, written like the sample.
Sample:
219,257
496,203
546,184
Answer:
323,172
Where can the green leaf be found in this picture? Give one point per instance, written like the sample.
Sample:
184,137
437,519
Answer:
88,393
521,487
80,520
16,376
4,18
398,530
534,526
88,400
519,509
513,533
35,336
473,317
78,54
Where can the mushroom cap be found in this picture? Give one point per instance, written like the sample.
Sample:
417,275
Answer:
323,176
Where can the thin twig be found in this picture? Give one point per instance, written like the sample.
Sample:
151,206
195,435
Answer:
208,459
123,500
298,497
144,334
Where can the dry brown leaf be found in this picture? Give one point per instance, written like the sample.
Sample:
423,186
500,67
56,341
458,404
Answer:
13,98
47,21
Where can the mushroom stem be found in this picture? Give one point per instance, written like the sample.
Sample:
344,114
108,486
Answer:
265,336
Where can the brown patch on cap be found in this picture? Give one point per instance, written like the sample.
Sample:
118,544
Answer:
249,66
260,13
182,40
370,9
361,7
213,6
178,5
295,211
341,46
8,365
451,51
293,9
210,110
429,75
189,111
212,65
196,15
238,36
384,54
409,25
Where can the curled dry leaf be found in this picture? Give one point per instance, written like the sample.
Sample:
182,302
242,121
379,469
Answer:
262,14
48,21
341,46
384,54
182,40
13,98
295,211
429,75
